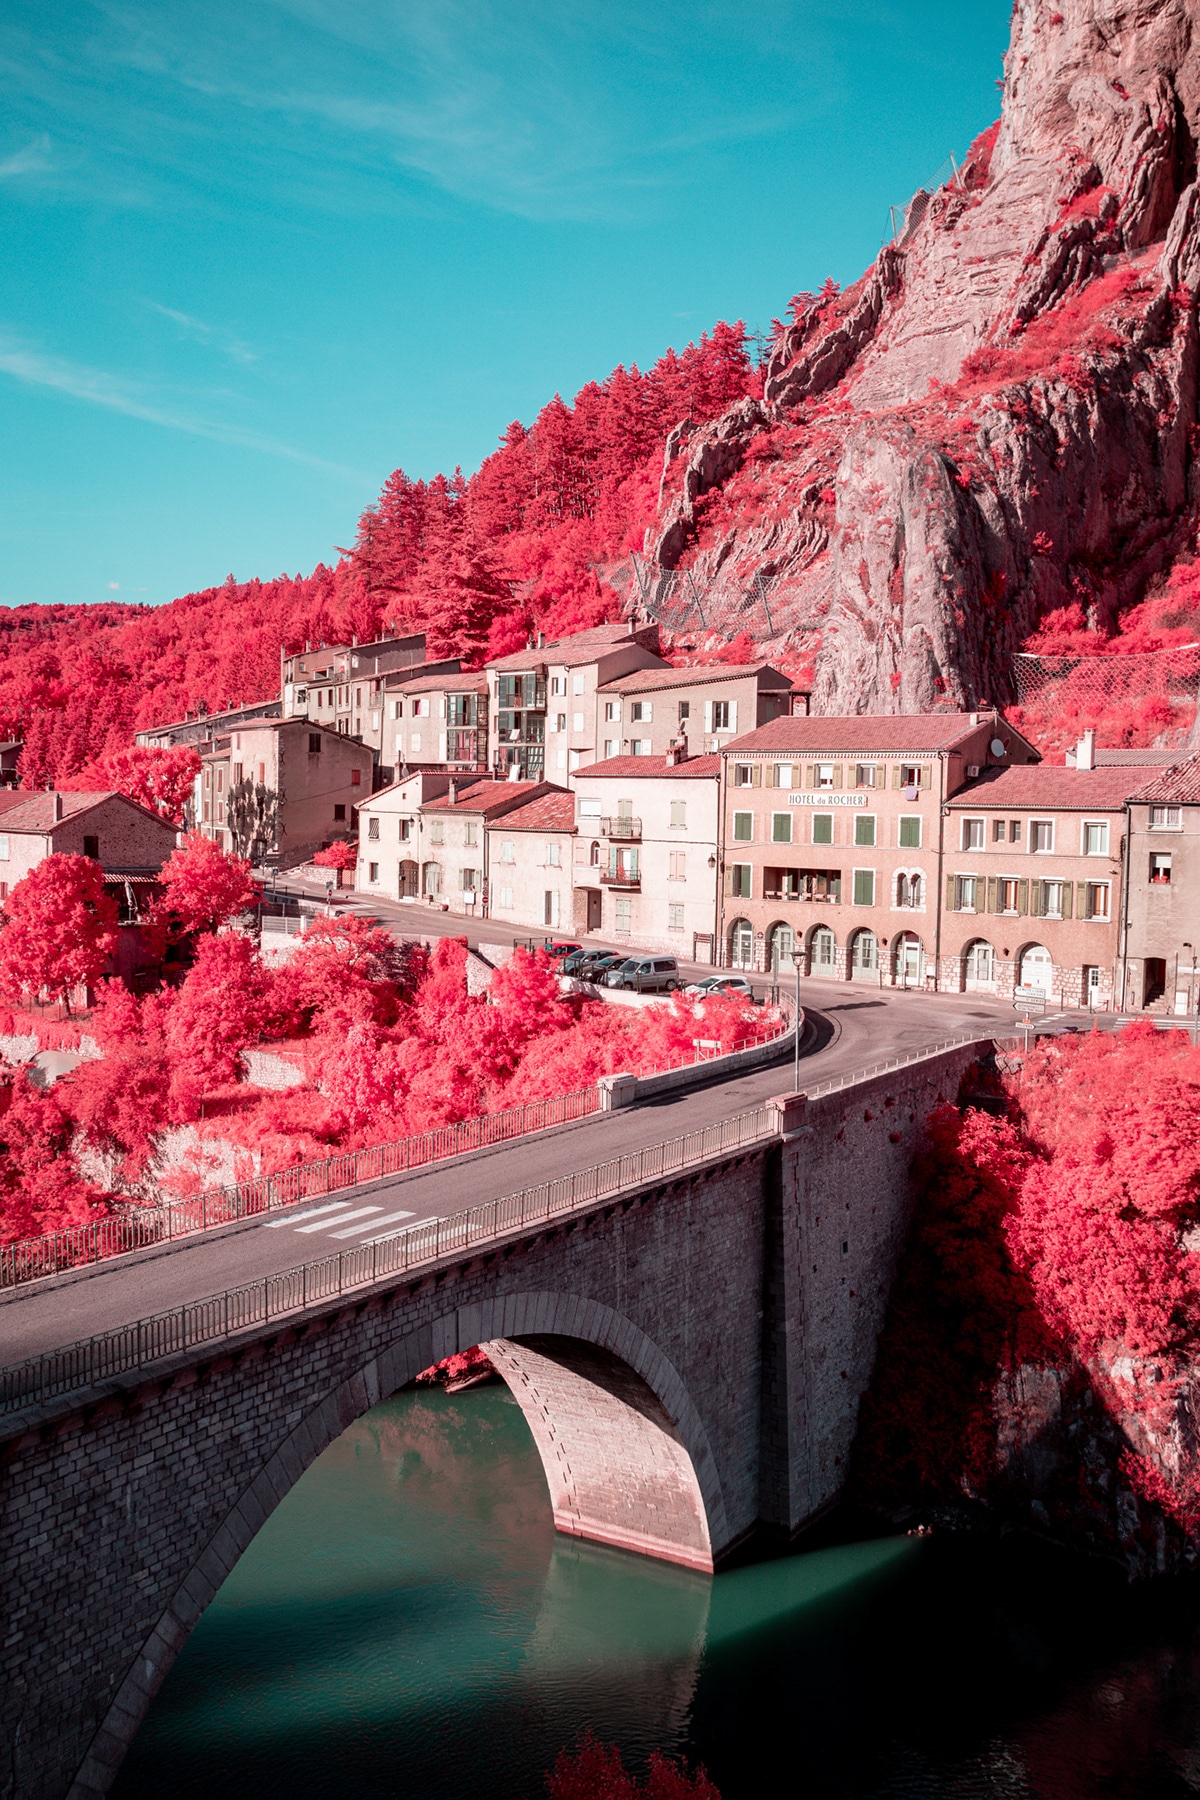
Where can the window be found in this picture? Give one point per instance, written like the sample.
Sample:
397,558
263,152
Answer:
1095,837
674,918
678,865
1160,866
864,829
420,709
373,830
507,852
721,718
4,850
314,743
91,847
467,881
743,826
356,778
558,684
1164,818
822,828
437,831
397,709
910,775
339,814
910,890
1041,836
624,909
743,775
503,898
864,887
577,684
220,781
1096,895
552,856
372,871
612,711
611,747
594,856
965,889
781,828
782,775
262,771
740,880
972,834
642,711
470,833
237,773
824,775
685,710
577,721
998,831
910,832
1014,831
405,830
679,815
864,775
550,908
1006,896
980,962
558,722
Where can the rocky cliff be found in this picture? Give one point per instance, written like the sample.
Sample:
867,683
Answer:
1000,417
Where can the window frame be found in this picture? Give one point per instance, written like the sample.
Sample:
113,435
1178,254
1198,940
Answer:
862,819
778,820
908,819
739,836
1035,827
866,875
1088,825
967,835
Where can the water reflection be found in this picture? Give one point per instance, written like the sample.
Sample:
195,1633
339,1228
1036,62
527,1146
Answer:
409,1624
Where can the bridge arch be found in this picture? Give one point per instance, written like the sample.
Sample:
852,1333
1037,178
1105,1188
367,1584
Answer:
594,1390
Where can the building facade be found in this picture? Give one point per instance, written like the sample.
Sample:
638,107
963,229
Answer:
831,840
332,683
126,839
389,835
542,701
1158,968
319,775
531,863
437,718
454,842
647,852
645,712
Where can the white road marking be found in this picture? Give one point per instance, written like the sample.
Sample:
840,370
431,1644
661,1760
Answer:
383,1238
357,1230
294,1218
324,1224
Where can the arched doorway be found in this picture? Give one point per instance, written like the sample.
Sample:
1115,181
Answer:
781,949
741,944
908,960
1035,969
979,967
822,951
410,876
864,956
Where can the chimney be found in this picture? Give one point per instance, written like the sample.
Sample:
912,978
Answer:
57,808
541,640
1085,751
452,793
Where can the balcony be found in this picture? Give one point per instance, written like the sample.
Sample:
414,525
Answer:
628,830
630,879
807,885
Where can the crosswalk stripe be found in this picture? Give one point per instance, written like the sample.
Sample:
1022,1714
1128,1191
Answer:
294,1218
324,1224
383,1238
356,1230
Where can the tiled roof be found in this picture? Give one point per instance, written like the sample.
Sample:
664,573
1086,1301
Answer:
486,797
1131,759
1179,785
580,647
647,680
1051,788
694,768
551,812
870,733
35,812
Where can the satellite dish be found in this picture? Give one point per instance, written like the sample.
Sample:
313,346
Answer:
997,747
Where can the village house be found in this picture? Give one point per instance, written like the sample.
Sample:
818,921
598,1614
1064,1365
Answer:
319,776
530,861
434,719
831,834
1157,966
542,701
453,844
643,713
646,853
1032,895
130,843
201,727
332,683
389,834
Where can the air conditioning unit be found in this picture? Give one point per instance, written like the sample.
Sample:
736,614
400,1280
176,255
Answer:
972,769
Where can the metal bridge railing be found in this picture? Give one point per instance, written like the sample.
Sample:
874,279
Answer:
221,1316
836,1082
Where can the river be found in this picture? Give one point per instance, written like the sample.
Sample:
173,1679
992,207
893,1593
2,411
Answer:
407,1623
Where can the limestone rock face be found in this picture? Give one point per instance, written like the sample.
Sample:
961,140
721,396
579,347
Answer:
1000,417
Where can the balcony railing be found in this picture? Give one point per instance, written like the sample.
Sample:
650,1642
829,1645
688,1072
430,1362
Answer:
621,828
621,878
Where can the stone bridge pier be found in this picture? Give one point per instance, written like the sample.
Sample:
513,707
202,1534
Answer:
690,1356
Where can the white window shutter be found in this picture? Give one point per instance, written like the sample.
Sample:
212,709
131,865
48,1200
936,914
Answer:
648,711
733,715
708,715
441,746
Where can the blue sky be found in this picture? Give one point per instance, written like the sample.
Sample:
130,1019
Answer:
259,254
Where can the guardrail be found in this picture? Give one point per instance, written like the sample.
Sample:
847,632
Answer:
221,1316
30,1259
893,1062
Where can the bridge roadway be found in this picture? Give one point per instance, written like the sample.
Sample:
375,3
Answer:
854,1027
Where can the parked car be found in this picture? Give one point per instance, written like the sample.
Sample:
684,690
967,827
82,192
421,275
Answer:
645,974
561,949
722,984
590,965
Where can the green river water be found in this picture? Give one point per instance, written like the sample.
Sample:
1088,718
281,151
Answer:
408,1623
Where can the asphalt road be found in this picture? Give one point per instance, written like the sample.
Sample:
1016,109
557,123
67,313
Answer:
854,1027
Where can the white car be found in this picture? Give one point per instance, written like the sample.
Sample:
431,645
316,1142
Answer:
722,984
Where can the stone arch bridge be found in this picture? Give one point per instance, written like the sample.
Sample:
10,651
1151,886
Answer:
689,1351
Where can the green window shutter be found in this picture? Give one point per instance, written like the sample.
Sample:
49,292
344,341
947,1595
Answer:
950,895
1081,900
1036,895
1022,897
895,775
992,894
756,775
864,887
729,878
924,776
1067,892
812,775
837,775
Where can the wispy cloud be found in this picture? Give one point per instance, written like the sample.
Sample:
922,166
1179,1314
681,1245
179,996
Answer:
222,340
95,387
34,159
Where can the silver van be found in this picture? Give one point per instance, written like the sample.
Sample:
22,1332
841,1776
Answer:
645,974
